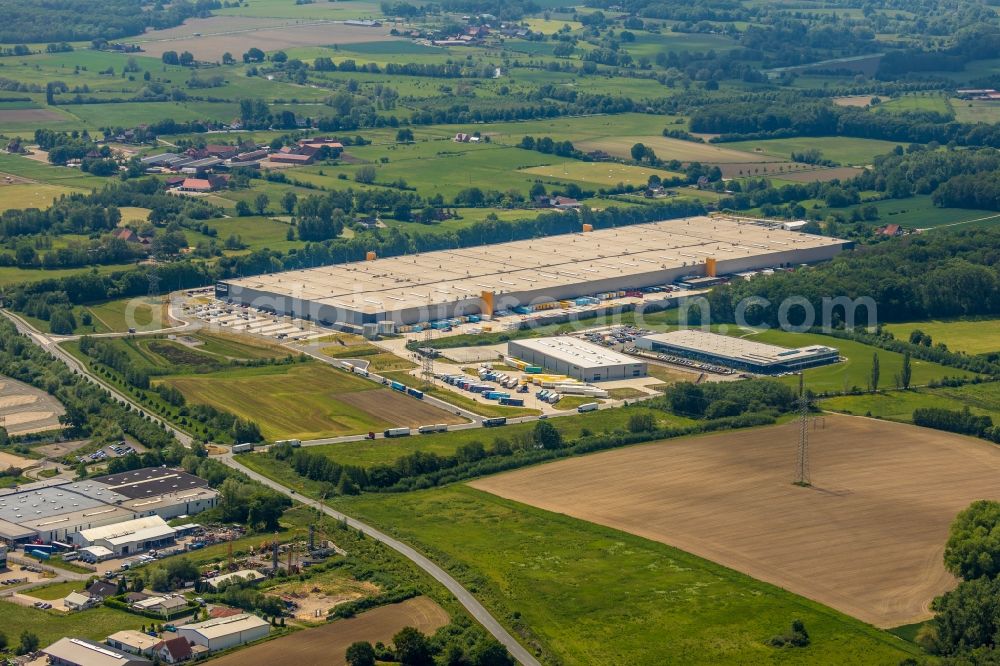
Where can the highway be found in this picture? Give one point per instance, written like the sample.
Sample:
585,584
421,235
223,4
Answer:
476,609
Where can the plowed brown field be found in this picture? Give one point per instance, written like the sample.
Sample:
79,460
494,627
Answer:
867,538
326,645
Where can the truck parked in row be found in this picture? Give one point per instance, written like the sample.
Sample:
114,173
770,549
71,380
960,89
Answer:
396,432
427,429
244,447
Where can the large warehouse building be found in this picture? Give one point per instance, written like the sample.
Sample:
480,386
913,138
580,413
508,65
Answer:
577,358
737,353
58,509
483,280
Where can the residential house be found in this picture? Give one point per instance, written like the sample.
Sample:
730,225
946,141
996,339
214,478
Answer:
462,137
173,650
891,230
127,235
564,203
79,601
102,589
165,605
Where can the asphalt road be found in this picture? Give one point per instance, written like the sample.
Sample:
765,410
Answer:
476,609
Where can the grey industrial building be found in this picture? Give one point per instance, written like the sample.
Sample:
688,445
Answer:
737,353
59,509
482,280
576,358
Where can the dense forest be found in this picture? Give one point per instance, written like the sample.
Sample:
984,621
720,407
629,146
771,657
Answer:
74,20
949,274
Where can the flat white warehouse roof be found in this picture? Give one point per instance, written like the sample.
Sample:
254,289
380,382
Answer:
737,349
447,276
575,351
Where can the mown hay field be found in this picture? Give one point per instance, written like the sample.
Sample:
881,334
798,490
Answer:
866,538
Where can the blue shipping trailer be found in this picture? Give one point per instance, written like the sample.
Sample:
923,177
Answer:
397,386
512,402
415,393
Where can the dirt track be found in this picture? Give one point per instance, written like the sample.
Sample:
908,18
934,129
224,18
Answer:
866,539
25,409
326,645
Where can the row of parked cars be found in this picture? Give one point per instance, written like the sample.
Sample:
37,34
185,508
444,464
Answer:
120,449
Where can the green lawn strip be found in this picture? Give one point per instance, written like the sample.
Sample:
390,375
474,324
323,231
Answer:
972,336
589,594
56,590
368,453
855,372
899,405
49,625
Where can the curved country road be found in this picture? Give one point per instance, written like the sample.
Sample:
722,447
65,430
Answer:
476,609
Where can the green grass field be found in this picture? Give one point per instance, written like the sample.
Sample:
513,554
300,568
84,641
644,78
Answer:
972,336
601,174
854,372
592,595
368,453
31,195
95,623
845,150
143,314
298,401
56,590
899,405
935,103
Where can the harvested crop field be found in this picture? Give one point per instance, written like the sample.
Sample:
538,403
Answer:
853,100
325,646
399,409
10,460
867,538
221,34
25,409
29,116
822,175
673,149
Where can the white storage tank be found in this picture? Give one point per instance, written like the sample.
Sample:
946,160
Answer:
387,327
370,331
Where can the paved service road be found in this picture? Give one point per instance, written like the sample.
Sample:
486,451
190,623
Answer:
476,609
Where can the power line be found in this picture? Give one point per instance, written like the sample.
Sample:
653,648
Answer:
802,462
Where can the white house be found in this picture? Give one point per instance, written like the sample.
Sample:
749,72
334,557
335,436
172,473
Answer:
78,601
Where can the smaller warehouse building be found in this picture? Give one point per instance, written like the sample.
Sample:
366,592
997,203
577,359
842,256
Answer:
225,632
81,652
737,353
129,537
577,358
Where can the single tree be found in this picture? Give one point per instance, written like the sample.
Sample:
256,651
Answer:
29,642
546,436
288,201
412,647
360,653
973,547
404,136
260,203
875,373
906,374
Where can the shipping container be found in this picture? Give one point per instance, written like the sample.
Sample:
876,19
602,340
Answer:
396,432
533,369
294,443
